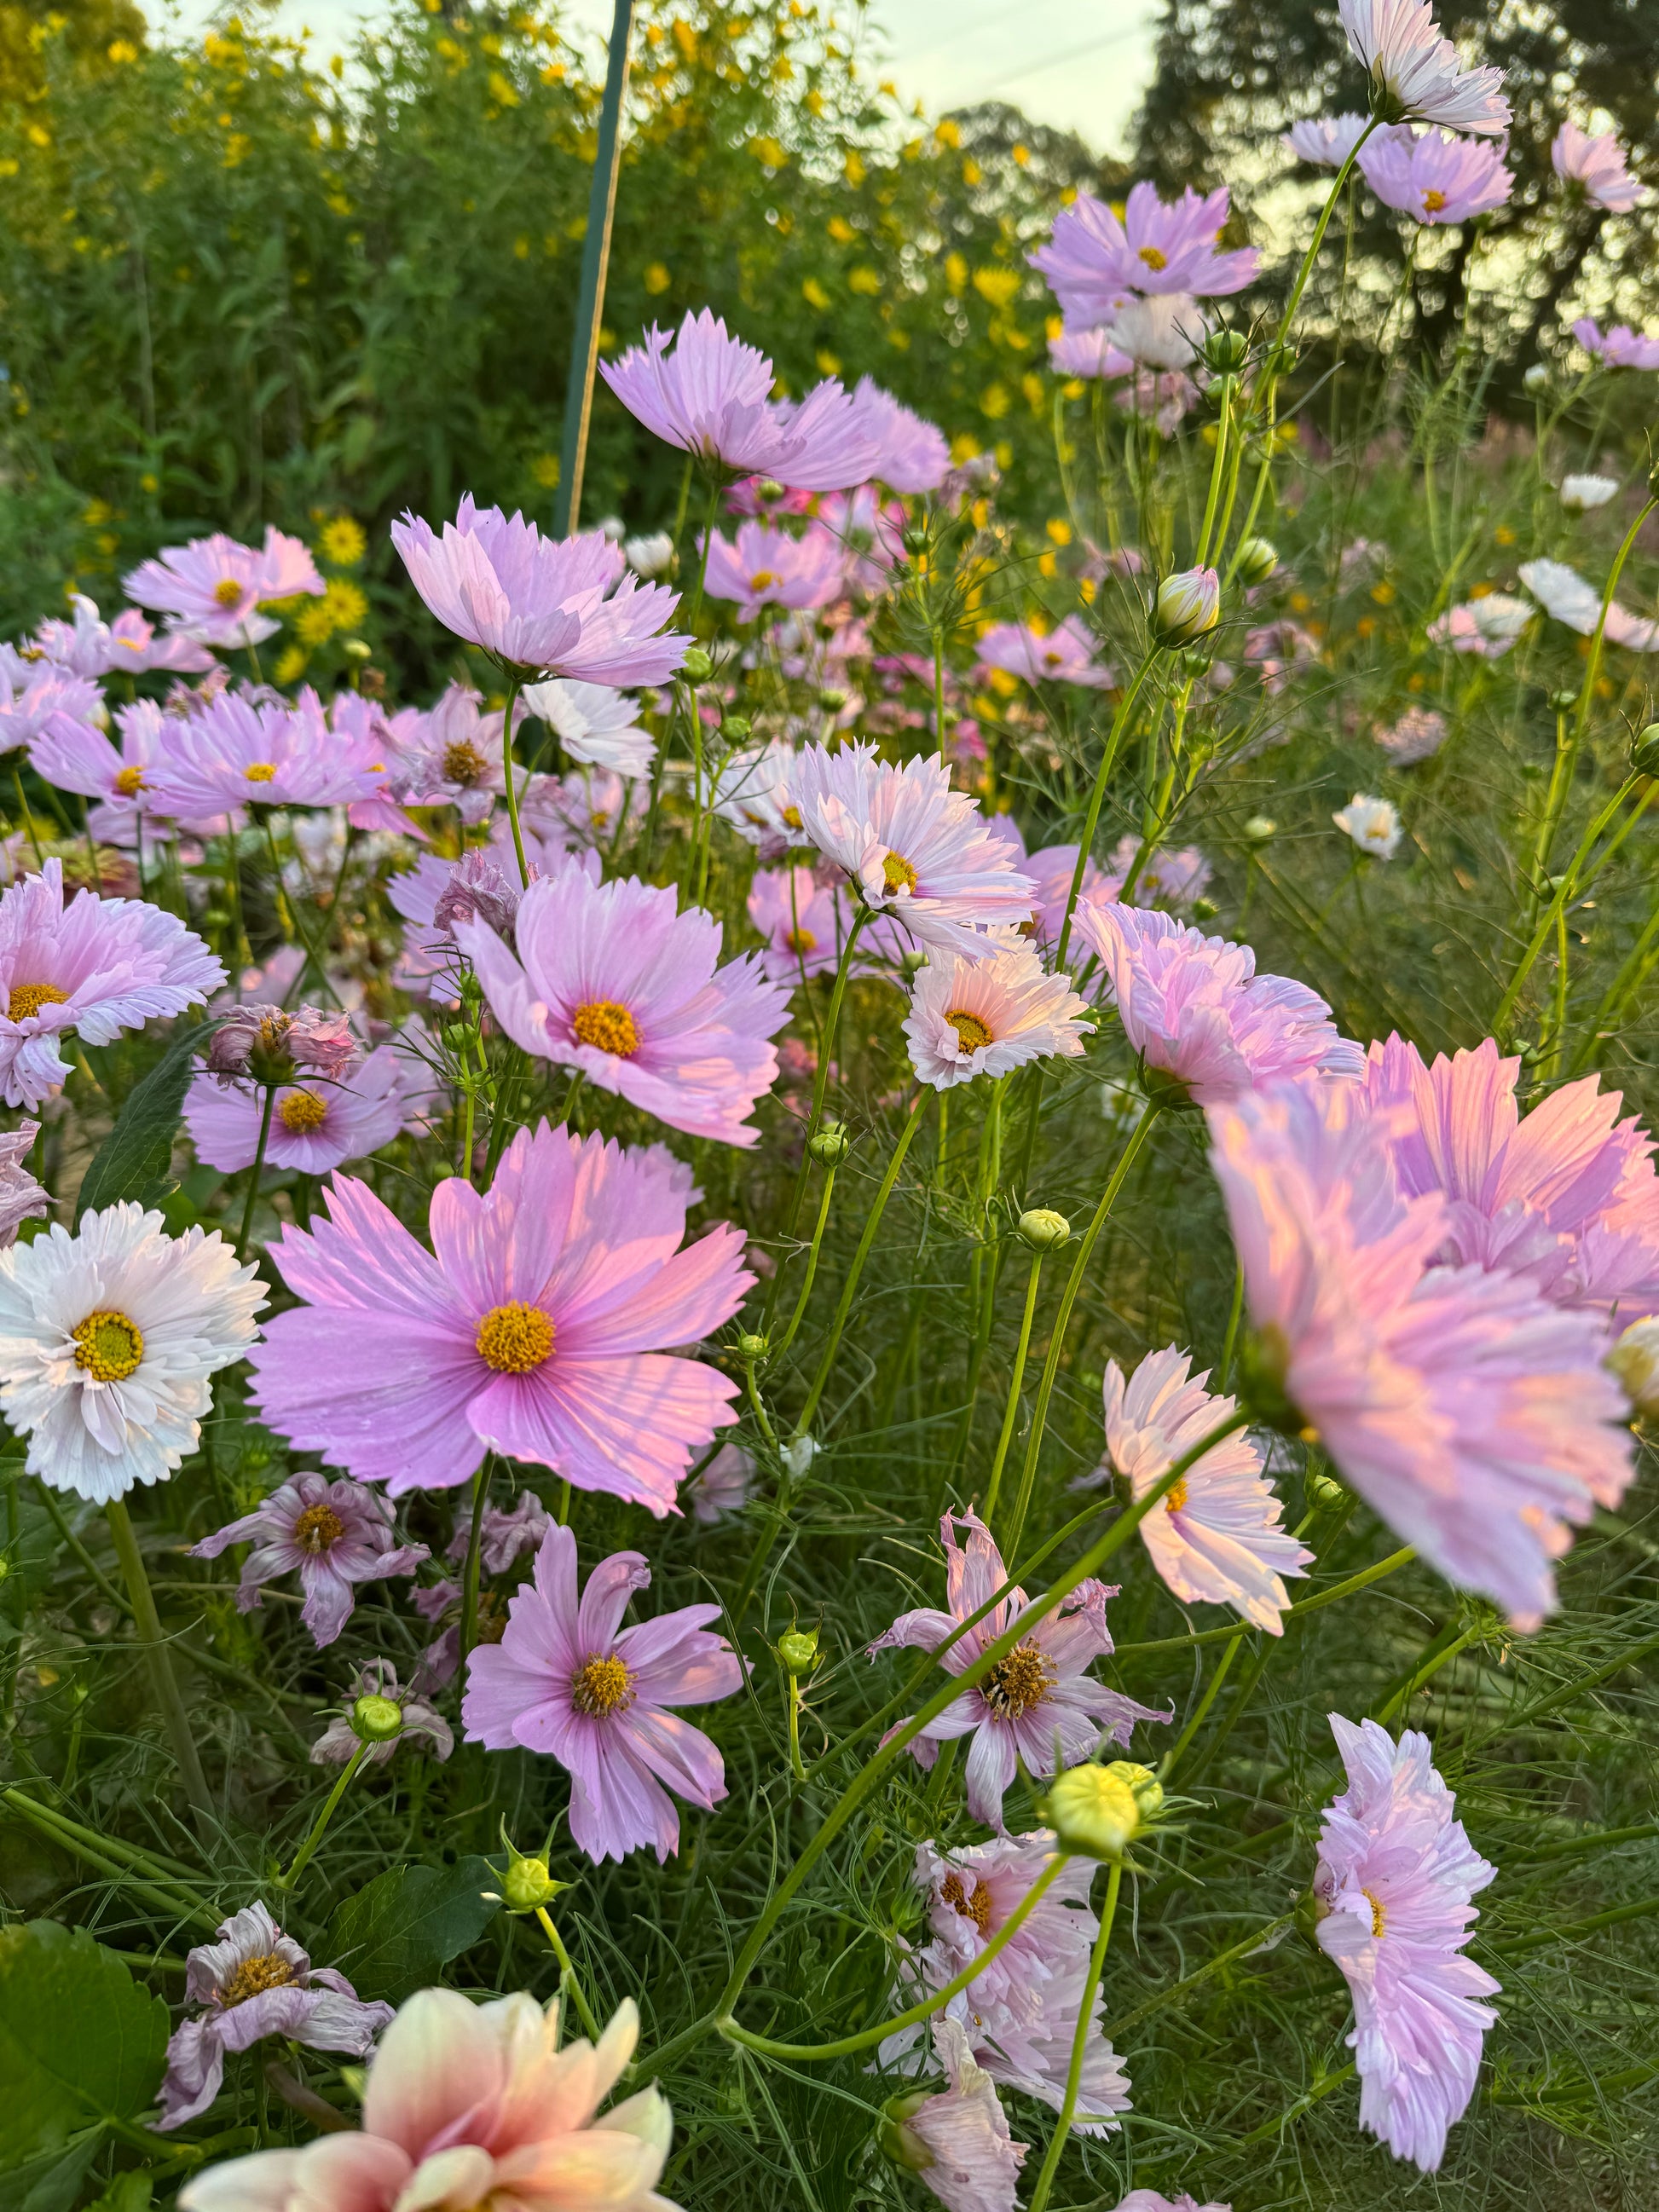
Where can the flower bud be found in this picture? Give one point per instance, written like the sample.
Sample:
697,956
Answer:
1536,379
913,960
751,1347
526,1886
900,2142
832,1144
1225,351
916,538
376,1720
1204,910
798,1456
1562,702
768,487
1260,827
1256,559
356,648
1634,1363
1324,1491
1187,605
833,698
1042,1229
696,667
735,726
1194,662
1093,1811
1644,751
797,1648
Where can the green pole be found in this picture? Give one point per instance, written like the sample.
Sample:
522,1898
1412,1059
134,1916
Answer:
596,254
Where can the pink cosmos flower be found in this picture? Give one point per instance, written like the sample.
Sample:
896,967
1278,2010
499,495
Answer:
805,923
769,566
1567,1198
315,1126
526,1335
1092,260
709,397
1064,655
35,695
573,813
610,979
988,1017
236,752
915,849
1475,1419
504,1536
1169,878
1434,179
1417,736
1089,352
1565,594
723,1486
1036,1698
421,1725
1415,74
1195,1010
1051,870
568,1680
542,603
1596,166
212,587
1488,626
1397,1877
21,1197
472,2104
78,756
90,646
1620,347
333,1535
911,455
1326,141
957,2141
451,756
1215,1538
253,1983
1150,2200
93,965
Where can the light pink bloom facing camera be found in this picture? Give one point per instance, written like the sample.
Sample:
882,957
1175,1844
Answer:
988,1017
1397,1877
542,604
1416,76
1064,654
1620,347
212,587
332,1535
315,1126
471,2105
767,567
237,753
1197,1013
1435,179
568,1678
1596,166
1472,1416
805,924
611,979
1039,1699
527,1333
1094,261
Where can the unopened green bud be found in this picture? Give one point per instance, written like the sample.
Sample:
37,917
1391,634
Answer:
1044,1229
751,1347
913,960
769,487
1194,662
1260,827
1536,379
1256,559
829,1146
899,2141
1204,910
797,1648
356,648
696,667
916,538
735,726
1226,352
528,1886
457,1035
832,699
1093,1811
376,1720
1324,1491
1644,753
1634,1361
1562,702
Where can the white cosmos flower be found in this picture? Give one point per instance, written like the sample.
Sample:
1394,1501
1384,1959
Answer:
984,1017
1326,140
1216,1539
108,1339
1564,593
596,725
1580,492
1373,823
748,794
1416,76
1164,331
650,555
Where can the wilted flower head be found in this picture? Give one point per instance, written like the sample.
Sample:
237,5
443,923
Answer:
332,1535
1620,347
767,567
1326,140
1093,260
1596,166
1434,178
1064,655
1415,74
989,1016
268,1044
382,1716
1373,824
1417,736
957,2139
211,589
21,1197
1397,1877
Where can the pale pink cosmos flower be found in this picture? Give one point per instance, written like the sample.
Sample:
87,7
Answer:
1566,596
558,606
1093,261
504,1534
212,588
1199,1015
598,726
1473,1417
1434,179
1326,141
1173,877
1487,626
1396,1882
573,813
955,2141
1020,2014
315,1127
1091,353
421,1725
723,1486
35,694
238,751
1416,76
93,965
990,1016
913,849
767,567
1620,347
1162,333
451,755
1596,166
1053,869
912,455
471,2105
332,1535
1036,1703
568,1680
805,923
21,1197
1153,2200
1417,736
78,756
254,1982
527,1333
610,978
1215,1538
88,646
1064,655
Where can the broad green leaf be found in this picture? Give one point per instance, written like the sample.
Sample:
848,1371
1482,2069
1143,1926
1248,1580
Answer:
128,2192
134,1160
397,1935
51,2183
80,2040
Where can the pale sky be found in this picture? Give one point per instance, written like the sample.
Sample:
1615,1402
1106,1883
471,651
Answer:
1082,67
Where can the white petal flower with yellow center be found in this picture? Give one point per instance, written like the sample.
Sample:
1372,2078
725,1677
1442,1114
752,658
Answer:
108,1341
985,1017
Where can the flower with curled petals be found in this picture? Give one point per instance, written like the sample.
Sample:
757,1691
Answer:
332,1535
988,1017
1415,74
568,1678
1597,167
1326,141
955,2139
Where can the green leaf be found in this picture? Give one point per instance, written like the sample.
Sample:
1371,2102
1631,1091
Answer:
128,2192
134,1160
51,2183
397,1935
79,2041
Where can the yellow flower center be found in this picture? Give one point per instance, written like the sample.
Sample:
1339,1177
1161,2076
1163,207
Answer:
107,1346
260,772
976,1907
318,1530
762,581
970,1029
1379,1914
1433,202
607,1027
26,999
897,873
515,1339
265,1970
800,941
601,1686
791,817
1153,259
129,782
1017,1683
1175,1495
464,764
228,591
302,1111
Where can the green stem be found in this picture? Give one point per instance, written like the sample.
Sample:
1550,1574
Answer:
1085,2029
108,1859
474,1547
258,1169
302,1858
1567,889
567,1978
1096,797
1011,1411
161,1666
1366,1576
788,1336
820,1086
1171,1758
510,768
